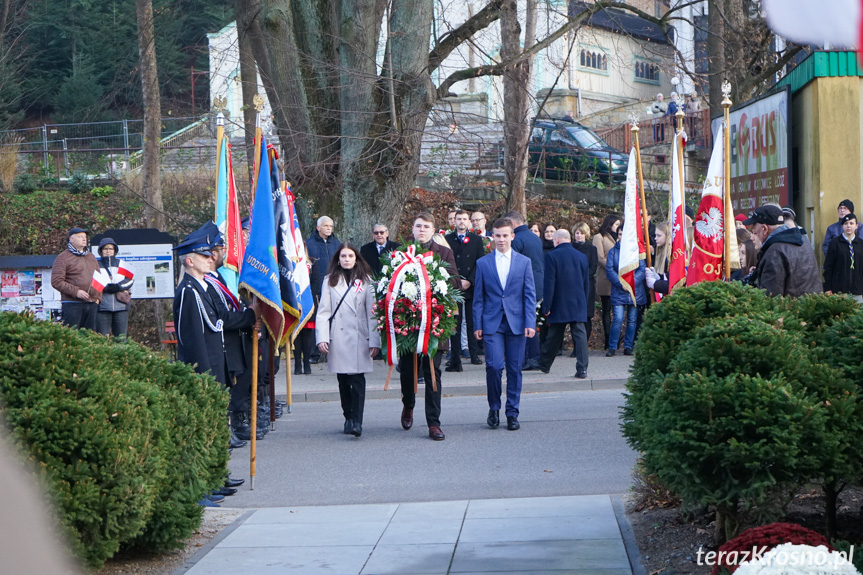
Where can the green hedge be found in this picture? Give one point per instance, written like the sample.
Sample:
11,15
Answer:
126,442
736,397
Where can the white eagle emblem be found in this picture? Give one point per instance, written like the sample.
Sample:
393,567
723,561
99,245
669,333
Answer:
710,224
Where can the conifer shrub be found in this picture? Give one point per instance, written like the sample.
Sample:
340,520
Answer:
124,441
673,322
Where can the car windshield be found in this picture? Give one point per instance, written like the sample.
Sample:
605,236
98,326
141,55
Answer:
585,138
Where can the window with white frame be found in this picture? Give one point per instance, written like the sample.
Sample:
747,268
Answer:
646,71
593,59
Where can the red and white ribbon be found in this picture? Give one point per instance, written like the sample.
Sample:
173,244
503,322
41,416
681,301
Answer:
358,286
416,264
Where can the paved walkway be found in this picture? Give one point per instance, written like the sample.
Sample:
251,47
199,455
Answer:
543,535
603,373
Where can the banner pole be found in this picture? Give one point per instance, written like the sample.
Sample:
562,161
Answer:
272,384
642,198
679,116
254,408
288,377
726,165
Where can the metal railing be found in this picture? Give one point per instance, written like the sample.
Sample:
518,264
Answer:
660,131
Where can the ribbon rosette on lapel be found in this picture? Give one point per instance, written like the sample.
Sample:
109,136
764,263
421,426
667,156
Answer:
416,304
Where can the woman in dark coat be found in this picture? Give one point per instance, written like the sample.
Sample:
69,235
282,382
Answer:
581,242
113,313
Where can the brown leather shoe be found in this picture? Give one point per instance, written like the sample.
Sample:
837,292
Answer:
436,434
407,417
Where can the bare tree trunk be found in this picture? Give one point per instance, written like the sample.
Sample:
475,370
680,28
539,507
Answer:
249,81
4,19
716,51
153,209
516,100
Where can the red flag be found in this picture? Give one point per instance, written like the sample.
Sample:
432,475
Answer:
677,225
706,262
234,244
125,270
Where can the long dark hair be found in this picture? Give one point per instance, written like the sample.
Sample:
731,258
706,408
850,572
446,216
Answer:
605,228
361,270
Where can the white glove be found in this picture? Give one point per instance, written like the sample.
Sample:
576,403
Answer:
651,277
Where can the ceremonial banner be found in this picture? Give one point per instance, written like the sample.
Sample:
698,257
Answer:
284,253
228,216
259,275
677,223
99,281
125,270
300,278
632,248
710,221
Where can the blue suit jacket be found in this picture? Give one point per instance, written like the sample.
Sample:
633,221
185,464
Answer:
491,300
567,284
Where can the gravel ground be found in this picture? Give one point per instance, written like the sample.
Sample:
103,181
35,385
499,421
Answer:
214,520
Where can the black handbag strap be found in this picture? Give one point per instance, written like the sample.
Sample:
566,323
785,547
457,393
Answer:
335,311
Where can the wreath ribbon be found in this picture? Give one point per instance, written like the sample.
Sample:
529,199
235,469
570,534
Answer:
413,263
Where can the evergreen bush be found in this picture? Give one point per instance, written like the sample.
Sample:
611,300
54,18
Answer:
125,442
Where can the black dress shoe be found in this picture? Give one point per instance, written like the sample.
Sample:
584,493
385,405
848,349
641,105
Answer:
231,482
307,370
512,423
544,370
493,418
627,351
476,361
581,374
436,433
226,491
298,370
235,442
455,367
357,429
407,417
609,353
349,425
529,367
282,403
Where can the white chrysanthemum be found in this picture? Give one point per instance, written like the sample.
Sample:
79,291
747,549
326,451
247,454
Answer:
409,290
441,287
382,285
444,274
800,560
385,270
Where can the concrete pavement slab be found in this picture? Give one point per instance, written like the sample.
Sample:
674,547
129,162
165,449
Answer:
339,533
586,505
505,557
325,514
430,511
538,529
427,531
279,561
425,559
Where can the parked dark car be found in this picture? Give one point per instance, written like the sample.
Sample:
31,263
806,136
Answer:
571,152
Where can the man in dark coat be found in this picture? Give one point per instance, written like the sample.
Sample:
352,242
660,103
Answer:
467,248
378,247
528,244
423,231
786,265
567,286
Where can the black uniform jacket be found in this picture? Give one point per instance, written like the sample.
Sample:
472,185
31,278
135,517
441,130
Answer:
197,319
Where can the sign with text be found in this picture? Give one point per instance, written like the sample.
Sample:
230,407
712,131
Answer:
760,134
153,266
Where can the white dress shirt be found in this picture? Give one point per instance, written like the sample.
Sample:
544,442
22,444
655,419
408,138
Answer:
502,262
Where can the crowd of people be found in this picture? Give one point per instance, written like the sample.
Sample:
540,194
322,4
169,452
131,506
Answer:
522,286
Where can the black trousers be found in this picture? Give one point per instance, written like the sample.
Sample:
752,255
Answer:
554,339
466,314
303,347
606,316
80,314
432,398
241,393
352,392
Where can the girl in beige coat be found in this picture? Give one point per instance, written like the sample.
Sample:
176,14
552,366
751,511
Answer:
604,241
346,330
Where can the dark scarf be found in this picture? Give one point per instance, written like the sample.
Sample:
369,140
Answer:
75,251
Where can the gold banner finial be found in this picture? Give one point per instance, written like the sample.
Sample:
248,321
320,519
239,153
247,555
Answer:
220,103
633,121
726,93
259,102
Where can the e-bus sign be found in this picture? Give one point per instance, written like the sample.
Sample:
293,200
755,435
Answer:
759,152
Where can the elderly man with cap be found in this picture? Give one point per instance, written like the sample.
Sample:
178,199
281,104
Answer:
786,266
835,230
72,275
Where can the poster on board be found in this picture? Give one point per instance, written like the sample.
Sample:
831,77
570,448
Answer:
149,254
760,134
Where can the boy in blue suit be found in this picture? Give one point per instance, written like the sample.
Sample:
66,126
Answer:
504,314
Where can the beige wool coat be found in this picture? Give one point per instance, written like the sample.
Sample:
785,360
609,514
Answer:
354,329
603,246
